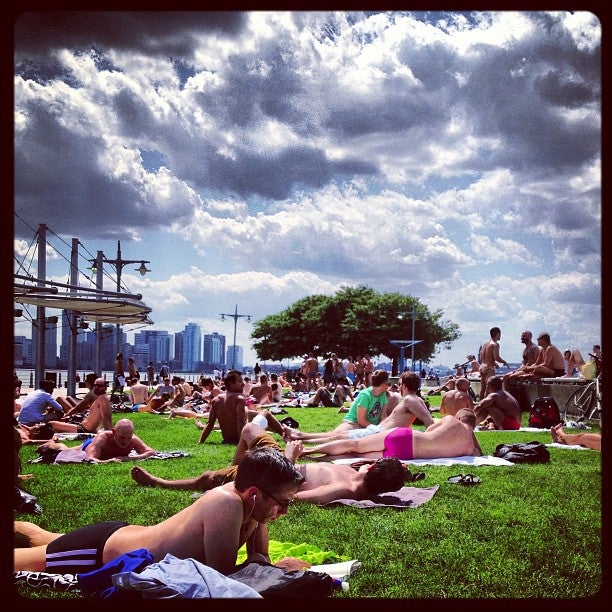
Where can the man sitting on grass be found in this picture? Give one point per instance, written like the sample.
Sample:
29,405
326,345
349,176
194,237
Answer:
211,530
323,482
99,416
498,409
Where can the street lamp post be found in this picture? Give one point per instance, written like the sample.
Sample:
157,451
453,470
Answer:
235,316
119,263
413,342
403,344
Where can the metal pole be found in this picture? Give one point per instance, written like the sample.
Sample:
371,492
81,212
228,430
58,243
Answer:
99,285
234,347
413,317
40,310
234,316
119,265
72,319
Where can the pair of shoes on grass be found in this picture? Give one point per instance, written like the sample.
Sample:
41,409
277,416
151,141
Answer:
467,480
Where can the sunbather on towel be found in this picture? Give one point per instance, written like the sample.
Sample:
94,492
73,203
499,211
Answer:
211,530
451,436
403,414
111,445
590,440
323,482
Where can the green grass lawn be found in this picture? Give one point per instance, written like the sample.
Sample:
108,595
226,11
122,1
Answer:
527,531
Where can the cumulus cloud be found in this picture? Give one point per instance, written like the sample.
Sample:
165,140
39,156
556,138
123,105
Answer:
290,152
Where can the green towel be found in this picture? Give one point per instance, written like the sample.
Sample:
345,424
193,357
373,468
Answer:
306,552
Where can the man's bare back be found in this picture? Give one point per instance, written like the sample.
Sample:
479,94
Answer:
229,408
455,400
220,509
409,409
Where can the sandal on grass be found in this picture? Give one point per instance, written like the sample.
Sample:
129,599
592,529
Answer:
414,476
464,479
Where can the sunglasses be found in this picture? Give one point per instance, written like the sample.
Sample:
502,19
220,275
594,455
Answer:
283,505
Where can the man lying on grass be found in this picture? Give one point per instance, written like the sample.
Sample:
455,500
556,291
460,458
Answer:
451,436
323,482
114,445
399,414
211,530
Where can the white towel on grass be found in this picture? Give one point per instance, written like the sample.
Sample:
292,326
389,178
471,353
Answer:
463,460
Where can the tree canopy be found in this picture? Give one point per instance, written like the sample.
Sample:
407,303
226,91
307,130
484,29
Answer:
352,322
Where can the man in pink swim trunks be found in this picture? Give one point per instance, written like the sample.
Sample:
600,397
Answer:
451,436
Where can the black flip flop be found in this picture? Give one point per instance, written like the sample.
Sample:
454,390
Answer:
467,480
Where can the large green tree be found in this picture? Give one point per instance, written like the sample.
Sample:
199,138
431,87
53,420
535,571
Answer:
352,322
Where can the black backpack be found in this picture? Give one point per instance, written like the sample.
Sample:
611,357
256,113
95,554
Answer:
544,413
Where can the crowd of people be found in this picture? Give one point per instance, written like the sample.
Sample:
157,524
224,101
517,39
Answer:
272,463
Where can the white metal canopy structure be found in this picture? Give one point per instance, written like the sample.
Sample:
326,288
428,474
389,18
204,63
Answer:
89,304
90,307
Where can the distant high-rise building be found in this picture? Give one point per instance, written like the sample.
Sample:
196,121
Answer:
159,343
50,332
19,355
234,357
214,351
192,347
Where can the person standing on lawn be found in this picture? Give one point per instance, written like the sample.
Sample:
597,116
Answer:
211,530
489,359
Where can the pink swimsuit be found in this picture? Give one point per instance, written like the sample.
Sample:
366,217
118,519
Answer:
398,444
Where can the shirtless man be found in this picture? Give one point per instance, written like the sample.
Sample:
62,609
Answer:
139,393
100,415
451,436
211,530
530,356
323,482
490,358
72,405
230,408
501,408
111,445
550,362
311,371
457,398
262,392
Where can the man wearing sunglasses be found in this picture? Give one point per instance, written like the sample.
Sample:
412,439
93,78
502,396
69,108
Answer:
211,530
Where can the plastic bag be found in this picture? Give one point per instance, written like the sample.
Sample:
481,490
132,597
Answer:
25,502
589,370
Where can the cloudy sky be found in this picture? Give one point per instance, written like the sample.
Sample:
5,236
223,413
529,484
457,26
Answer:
256,158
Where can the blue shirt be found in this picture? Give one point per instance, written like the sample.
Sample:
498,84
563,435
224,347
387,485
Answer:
34,408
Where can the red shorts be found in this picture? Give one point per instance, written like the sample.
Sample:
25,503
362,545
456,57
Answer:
510,423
